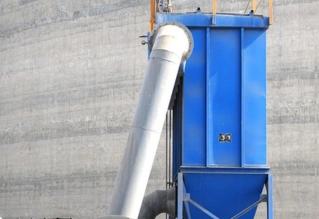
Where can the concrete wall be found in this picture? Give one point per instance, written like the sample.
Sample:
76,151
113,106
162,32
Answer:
293,108
70,74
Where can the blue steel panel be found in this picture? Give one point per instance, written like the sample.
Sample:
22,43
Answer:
197,213
220,20
208,95
224,90
225,195
242,46
241,21
195,103
254,97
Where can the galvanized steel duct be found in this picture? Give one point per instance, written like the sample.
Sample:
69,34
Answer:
172,44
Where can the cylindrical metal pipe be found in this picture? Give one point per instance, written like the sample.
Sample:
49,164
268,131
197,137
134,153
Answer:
172,45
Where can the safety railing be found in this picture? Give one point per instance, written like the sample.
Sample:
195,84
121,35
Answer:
254,8
166,6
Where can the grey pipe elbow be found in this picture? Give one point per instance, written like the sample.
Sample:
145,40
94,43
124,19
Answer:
158,202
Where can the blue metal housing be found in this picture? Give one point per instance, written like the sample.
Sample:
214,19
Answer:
219,128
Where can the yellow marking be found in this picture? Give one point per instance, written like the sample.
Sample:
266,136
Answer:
152,14
254,6
214,7
271,19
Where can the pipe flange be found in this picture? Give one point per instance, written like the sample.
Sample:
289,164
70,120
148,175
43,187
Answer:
186,30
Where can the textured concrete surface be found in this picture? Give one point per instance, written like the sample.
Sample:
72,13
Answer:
70,74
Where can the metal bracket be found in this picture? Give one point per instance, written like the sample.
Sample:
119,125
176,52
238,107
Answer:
203,209
214,20
263,198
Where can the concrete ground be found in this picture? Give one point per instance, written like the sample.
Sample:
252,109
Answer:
70,75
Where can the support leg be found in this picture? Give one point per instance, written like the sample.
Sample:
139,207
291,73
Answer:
180,196
270,209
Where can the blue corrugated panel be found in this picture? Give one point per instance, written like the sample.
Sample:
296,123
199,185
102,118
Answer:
254,97
224,85
194,124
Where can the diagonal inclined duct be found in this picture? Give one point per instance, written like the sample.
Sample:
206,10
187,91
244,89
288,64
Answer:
172,44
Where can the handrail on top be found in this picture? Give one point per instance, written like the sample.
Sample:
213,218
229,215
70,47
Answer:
214,10
254,8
